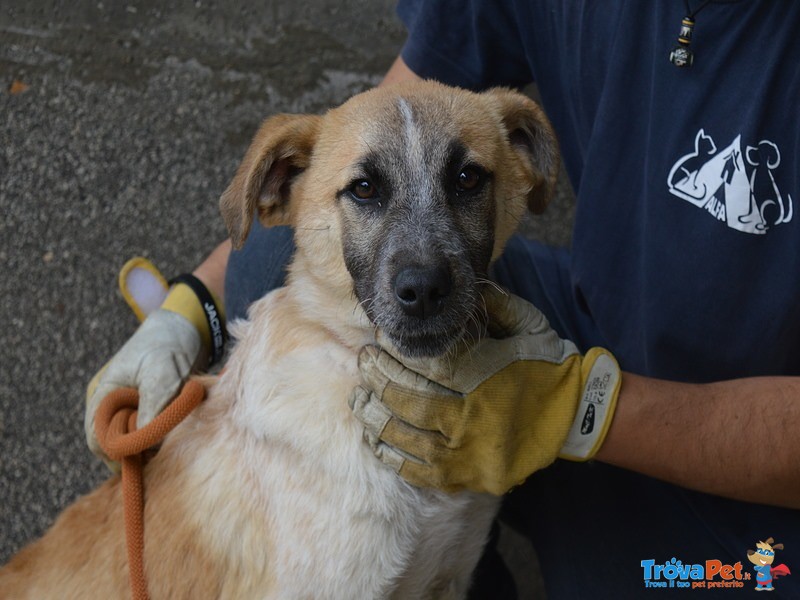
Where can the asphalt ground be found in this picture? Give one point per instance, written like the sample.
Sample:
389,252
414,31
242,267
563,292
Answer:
120,125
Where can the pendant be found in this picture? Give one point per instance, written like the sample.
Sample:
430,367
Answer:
681,56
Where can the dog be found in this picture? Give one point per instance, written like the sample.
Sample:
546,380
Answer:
400,199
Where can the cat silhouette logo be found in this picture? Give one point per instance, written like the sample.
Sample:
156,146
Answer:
736,187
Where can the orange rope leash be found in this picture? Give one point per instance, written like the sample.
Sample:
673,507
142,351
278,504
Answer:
115,427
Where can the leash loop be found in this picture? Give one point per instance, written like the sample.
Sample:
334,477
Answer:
115,427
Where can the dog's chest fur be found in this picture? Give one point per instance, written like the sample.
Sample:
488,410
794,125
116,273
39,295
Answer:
327,519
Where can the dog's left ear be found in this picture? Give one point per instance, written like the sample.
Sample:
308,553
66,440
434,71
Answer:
533,139
279,152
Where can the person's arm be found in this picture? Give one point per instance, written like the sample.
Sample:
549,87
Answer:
487,419
212,270
733,438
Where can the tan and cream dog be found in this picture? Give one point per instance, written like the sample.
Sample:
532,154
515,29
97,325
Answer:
399,199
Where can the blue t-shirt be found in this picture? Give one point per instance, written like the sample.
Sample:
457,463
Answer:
686,247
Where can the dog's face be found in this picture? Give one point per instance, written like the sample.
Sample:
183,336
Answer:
402,196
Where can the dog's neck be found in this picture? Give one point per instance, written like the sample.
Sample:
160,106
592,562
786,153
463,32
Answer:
330,304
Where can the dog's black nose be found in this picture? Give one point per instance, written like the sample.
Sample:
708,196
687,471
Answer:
421,291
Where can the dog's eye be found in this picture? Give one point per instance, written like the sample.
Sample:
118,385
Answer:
469,179
363,189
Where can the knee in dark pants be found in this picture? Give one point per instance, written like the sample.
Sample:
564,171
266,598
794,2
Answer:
258,268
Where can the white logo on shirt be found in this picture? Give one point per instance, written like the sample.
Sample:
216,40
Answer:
718,182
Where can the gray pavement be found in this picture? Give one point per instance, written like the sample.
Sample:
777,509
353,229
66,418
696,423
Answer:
134,119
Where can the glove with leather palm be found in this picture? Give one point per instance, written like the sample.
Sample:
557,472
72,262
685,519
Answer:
173,341
495,413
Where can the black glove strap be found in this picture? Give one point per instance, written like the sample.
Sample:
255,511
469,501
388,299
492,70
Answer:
212,313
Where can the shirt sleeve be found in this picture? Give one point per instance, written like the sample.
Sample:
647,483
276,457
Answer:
473,44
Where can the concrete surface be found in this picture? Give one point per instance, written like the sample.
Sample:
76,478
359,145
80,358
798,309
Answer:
134,119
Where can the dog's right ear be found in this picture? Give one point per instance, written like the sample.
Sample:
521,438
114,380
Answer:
279,151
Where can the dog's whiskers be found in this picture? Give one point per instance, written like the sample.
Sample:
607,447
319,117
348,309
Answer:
495,285
366,304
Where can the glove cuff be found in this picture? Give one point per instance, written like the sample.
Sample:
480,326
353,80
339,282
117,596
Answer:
191,299
602,379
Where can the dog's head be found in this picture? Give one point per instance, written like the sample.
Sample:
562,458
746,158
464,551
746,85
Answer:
400,199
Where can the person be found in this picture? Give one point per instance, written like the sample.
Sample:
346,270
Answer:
682,266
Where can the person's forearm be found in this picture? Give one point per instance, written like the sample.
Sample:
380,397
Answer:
734,438
212,270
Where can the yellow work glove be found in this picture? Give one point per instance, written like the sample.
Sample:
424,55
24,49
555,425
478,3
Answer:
488,417
173,341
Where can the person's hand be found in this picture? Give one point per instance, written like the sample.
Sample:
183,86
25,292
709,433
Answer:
490,416
171,342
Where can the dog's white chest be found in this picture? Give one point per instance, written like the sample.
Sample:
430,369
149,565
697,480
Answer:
337,523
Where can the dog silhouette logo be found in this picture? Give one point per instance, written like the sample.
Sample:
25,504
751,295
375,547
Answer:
733,185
